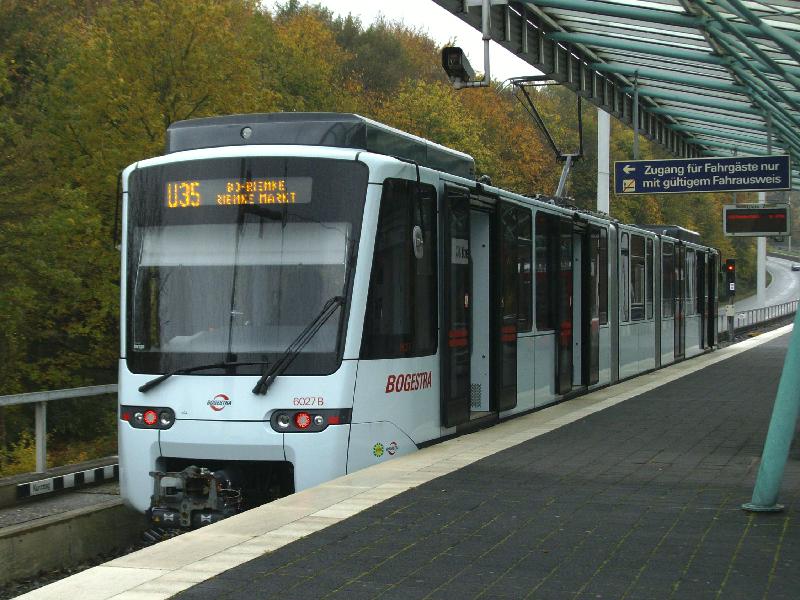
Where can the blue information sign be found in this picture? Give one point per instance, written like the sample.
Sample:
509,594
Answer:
681,175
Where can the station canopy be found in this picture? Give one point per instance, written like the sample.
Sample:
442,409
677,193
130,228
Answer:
712,77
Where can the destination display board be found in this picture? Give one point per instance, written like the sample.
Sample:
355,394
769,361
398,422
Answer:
682,175
756,220
237,192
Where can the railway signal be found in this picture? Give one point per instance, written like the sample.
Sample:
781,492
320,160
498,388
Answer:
730,276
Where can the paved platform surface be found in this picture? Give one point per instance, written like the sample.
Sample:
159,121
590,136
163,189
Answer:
640,501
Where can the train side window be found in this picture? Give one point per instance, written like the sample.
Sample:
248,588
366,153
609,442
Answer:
545,240
525,269
700,286
649,285
602,284
624,279
667,279
690,281
637,277
402,310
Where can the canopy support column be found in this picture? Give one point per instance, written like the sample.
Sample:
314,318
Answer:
603,172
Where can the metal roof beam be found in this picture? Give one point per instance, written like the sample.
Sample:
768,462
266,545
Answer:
735,30
755,80
770,109
641,14
777,36
760,141
708,118
697,100
653,49
672,77
782,122
734,147
644,48
782,136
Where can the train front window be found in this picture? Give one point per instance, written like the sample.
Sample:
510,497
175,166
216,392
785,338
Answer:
230,259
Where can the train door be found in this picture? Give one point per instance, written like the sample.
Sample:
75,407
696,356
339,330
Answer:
579,244
712,270
680,295
564,306
480,307
454,347
592,254
512,234
480,351
702,301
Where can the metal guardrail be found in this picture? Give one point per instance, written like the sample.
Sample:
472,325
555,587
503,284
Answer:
41,399
748,318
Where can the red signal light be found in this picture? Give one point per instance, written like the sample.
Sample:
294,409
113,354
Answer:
302,420
150,417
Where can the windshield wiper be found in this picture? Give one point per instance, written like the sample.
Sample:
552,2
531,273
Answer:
154,382
297,345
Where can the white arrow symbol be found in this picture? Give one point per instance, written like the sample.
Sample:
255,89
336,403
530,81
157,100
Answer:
628,169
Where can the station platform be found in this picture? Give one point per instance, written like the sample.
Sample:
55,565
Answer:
633,491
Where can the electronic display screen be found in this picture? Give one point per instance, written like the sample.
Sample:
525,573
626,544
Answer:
237,192
757,221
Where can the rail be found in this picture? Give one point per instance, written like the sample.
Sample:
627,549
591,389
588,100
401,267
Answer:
40,399
748,318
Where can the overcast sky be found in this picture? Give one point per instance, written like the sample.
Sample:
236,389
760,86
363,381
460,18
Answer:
438,23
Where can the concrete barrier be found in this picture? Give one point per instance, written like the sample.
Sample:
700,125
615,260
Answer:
67,540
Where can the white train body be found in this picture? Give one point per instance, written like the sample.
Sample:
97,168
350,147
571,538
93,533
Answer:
450,305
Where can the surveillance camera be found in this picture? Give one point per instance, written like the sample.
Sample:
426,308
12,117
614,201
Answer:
456,65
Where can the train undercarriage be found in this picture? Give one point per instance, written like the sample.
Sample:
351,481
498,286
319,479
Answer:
188,494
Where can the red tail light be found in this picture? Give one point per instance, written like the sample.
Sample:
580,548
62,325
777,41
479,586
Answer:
302,420
147,417
150,417
291,421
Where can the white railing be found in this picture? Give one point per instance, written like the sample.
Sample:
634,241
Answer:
748,318
40,399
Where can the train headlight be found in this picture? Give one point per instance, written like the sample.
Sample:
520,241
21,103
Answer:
283,420
166,418
319,420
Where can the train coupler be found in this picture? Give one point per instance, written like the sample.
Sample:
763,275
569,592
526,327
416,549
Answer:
194,497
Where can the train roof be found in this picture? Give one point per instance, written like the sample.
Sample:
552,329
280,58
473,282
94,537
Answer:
674,231
338,130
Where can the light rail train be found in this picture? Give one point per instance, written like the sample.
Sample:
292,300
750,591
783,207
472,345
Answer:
308,294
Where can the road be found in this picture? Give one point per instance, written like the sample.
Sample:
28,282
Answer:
784,287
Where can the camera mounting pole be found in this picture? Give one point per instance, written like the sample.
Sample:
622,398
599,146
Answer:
455,62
